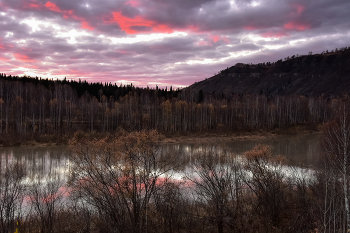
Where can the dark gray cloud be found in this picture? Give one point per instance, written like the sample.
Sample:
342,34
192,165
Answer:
162,42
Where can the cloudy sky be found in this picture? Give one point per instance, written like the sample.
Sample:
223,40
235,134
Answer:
163,42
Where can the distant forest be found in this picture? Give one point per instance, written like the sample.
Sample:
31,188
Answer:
33,107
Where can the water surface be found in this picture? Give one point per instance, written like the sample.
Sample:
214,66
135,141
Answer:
42,161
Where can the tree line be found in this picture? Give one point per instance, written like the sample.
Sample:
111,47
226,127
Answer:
30,108
125,182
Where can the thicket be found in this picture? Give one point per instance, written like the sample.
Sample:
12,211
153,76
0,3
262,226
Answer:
124,182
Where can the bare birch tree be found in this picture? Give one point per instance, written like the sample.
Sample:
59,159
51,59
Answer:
336,147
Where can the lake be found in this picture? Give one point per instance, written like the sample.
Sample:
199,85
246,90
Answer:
302,150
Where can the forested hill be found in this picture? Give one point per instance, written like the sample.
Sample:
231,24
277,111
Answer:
326,74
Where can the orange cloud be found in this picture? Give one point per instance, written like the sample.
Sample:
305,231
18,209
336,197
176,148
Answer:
85,25
128,24
297,26
52,6
22,58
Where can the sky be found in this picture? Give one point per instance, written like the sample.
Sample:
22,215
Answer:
161,42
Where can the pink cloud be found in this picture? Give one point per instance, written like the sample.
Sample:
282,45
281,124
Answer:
128,24
217,38
66,14
85,25
299,8
60,73
70,14
3,6
22,58
274,34
297,26
52,6
133,3
202,43
76,73
30,67
192,28
226,39
162,28
34,5
76,17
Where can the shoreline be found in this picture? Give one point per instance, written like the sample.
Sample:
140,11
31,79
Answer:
218,138
196,138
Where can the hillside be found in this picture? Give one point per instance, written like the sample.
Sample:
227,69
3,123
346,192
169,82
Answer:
326,74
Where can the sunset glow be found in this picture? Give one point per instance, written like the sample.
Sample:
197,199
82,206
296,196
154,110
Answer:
164,42
52,7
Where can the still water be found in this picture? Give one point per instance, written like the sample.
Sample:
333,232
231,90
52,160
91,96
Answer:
41,161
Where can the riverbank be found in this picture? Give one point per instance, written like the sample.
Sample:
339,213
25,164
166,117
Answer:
209,137
197,137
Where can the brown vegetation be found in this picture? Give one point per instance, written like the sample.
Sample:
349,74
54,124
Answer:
123,182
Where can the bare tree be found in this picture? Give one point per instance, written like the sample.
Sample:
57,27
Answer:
218,184
118,176
266,180
169,207
11,195
46,202
336,147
